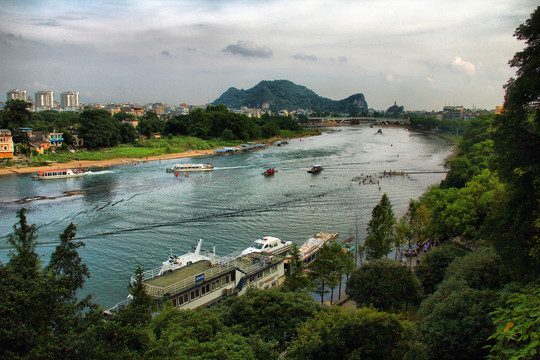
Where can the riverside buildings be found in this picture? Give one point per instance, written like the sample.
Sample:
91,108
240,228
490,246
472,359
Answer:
69,100
16,95
44,100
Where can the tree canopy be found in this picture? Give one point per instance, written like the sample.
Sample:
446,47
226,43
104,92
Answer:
380,230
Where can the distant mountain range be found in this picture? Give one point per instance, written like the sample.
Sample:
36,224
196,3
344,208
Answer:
286,95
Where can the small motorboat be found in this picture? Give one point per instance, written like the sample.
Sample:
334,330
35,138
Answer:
269,245
315,169
270,171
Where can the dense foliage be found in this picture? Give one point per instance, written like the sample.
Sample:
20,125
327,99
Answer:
385,285
98,129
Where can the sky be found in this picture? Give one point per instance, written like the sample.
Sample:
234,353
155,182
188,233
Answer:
421,54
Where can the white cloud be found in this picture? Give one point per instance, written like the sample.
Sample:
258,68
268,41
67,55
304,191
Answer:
463,66
391,79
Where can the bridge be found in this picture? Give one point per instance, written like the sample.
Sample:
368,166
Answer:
356,121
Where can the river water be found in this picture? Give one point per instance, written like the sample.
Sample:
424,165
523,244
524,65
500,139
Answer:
134,214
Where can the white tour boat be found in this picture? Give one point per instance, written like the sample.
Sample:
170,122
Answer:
268,244
190,167
58,174
310,249
175,262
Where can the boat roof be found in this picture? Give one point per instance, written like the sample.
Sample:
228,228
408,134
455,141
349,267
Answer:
317,165
180,274
267,239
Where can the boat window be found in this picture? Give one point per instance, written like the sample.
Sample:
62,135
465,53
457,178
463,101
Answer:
257,245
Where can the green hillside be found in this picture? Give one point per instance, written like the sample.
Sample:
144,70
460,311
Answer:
286,95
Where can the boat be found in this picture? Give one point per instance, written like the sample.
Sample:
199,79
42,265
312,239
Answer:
176,262
315,169
269,245
190,167
310,249
58,174
270,171
206,282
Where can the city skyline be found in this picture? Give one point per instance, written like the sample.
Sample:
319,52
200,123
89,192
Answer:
423,55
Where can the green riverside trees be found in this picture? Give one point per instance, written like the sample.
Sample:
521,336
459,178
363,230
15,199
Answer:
380,230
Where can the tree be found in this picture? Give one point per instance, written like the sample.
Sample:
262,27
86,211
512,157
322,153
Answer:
380,230
384,284
517,332
199,334
40,316
327,269
127,133
25,260
66,266
296,279
454,321
455,318
517,138
271,315
150,124
433,266
342,333
15,114
98,129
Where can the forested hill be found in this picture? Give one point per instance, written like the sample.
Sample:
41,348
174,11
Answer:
286,95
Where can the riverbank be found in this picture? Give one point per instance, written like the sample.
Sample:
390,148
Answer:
85,164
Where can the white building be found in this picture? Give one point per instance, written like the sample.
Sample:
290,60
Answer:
69,100
16,95
44,100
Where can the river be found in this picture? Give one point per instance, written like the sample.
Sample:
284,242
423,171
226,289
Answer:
134,214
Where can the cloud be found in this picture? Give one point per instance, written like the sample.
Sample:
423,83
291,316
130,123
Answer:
248,48
71,17
49,22
37,85
166,53
463,66
390,79
305,57
340,59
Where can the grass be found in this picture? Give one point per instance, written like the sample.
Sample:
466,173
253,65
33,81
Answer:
154,147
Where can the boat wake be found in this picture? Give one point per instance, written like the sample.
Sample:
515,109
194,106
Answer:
212,216
233,167
91,173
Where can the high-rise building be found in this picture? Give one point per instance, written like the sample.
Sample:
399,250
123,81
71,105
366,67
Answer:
44,100
16,95
69,100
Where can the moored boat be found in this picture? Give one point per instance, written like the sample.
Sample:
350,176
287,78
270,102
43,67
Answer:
315,169
310,249
58,174
190,167
175,262
268,244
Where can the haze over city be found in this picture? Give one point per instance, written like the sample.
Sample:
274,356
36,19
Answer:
421,54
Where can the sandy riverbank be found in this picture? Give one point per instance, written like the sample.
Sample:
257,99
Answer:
84,164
